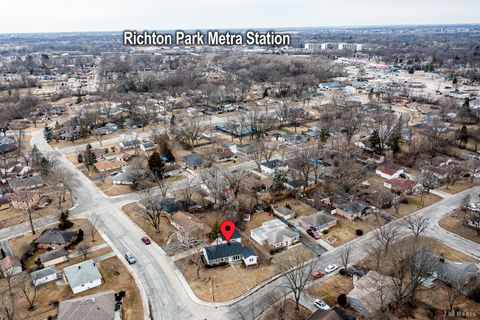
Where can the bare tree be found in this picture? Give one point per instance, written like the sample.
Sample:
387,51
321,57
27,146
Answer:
297,274
417,224
84,250
26,198
348,173
29,290
189,132
187,191
193,240
345,255
7,305
153,211
136,172
385,235
93,224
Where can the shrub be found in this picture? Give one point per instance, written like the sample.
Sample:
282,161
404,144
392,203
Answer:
404,200
342,272
359,232
342,300
325,231
80,235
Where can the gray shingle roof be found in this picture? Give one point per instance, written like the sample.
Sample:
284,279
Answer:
23,183
51,255
56,236
39,274
318,219
82,273
227,250
100,306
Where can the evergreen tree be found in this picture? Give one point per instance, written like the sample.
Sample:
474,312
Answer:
36,155
395,143
90,158
463,135
215,230
156,165
172,120
375,141
48,133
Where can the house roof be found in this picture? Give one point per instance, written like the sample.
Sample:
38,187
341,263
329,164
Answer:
42,273
9,262
28,182
52,255
194,160
104,165
272,164
227,250
353,207
56,236
100,306
321,314
235,235
82,273
401,184
274,231
317,219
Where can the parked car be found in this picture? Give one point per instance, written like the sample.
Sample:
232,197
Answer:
317,274
130,257
321,304
330,268
146,240
356,271
314,232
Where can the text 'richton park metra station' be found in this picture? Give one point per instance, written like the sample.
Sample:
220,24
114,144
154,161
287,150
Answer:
212,38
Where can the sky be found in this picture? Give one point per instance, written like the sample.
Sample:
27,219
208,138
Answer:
118,15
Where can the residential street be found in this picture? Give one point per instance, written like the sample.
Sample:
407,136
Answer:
167,297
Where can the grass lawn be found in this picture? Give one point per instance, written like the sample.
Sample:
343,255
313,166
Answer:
227,284
21,243
345,230
453,223
414,204
460,186
166,229
11,216
256,220
329,289
115,277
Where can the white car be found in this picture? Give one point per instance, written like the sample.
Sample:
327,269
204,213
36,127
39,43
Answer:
321,304
331,268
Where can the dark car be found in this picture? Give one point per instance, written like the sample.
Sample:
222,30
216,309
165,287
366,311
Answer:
356,271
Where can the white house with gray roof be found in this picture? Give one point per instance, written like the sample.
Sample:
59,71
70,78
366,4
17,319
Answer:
275,234
83,276
45,275
227,253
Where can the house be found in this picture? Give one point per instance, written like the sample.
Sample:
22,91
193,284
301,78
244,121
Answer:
225,155
184,221
275,234
53,238
283,212
194,160
236,237
473,222
320,220
352,210
83,276
171,170
147,146
193,112
104,165
51,258
400,185
371,294
99,306
27,183
69,133
7,144
10,266
45,275
335,313
109,128
230,107
273,166
457,275
121,179
129,144
228,253
389,171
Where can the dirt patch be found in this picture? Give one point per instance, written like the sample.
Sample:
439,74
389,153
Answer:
453,223
166,229
460,186
300,208
345,230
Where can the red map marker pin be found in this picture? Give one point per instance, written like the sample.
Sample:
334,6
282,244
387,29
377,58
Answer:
227,228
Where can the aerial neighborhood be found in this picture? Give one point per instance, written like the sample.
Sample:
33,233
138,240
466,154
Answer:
350,170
